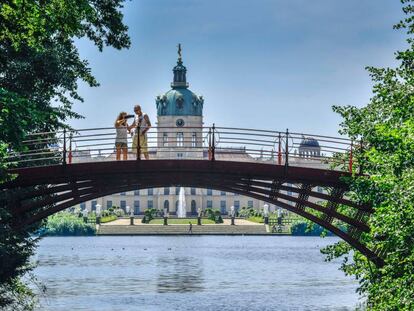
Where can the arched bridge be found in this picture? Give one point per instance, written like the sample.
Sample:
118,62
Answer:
285,169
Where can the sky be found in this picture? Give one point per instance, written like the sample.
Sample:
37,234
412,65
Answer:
266,64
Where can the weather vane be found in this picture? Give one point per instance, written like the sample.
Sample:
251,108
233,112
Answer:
179,50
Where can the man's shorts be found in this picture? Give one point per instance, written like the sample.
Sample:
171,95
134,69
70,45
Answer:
142,142
121,145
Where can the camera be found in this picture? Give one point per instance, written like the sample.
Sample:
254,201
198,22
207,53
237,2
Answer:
129,116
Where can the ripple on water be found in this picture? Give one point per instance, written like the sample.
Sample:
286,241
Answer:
191,273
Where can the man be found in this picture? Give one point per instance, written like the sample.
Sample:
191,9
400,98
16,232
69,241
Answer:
190,229
142,122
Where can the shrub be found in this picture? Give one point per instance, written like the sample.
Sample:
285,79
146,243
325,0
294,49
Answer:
308,229
66,224
149,214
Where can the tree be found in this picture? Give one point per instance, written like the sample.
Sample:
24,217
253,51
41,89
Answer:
39,72
386,127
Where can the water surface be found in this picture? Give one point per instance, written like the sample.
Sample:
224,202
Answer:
191,273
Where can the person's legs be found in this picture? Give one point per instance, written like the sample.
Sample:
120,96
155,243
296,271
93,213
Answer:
144,146
125,153
118,152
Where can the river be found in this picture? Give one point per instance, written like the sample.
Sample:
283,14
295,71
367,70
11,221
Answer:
191,273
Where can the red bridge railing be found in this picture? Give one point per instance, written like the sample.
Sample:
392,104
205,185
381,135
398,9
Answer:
205,143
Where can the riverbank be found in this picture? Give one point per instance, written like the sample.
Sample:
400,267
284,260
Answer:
122,227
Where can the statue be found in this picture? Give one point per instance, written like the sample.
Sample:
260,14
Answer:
266,214
179,51
232,211
266,210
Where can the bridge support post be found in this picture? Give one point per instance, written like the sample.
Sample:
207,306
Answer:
213,143
131,220
279,151
70,148
138,143
287,151
232,221
198,221
350,158
165,221
64,147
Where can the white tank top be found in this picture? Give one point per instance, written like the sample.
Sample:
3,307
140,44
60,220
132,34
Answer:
141,122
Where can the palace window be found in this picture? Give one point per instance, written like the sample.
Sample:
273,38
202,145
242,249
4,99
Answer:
93,205
136,207
167,191
193,191
236,205
150,191
250,204
150,203
136,192
194,140
83,205
222,193
177,190
180,139
209,191
165,139
223,207
123,204
209,204
108,204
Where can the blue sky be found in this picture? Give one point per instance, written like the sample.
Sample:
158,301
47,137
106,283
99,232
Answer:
268,64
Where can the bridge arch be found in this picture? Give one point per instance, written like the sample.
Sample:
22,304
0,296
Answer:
59,187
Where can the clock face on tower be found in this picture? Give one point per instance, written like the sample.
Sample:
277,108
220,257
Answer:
180,122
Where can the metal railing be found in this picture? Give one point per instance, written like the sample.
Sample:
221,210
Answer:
206,143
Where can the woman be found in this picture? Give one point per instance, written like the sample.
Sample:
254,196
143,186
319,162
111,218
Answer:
121,139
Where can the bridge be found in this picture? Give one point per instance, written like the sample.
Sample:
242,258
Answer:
60,169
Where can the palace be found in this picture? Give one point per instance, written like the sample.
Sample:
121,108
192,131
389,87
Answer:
179,135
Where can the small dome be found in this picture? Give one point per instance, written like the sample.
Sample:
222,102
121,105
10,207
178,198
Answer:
309,142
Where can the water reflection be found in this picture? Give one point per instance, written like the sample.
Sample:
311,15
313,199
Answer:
184,273
179,274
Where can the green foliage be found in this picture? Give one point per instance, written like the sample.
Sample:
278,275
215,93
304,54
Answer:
40,69
149,214
67,224
386,127
305,228
214,215
247,212
108,218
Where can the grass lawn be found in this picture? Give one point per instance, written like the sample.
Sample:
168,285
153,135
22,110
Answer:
257,219
181,221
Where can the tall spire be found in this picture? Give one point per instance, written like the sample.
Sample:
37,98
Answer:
180,80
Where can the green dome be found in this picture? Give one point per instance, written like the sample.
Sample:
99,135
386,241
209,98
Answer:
179,101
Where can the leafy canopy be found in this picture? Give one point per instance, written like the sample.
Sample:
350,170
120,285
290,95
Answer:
386,127
40,69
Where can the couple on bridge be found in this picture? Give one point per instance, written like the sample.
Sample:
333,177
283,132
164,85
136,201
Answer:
138,129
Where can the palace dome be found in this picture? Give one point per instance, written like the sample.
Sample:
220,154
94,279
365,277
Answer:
309,142
179,101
